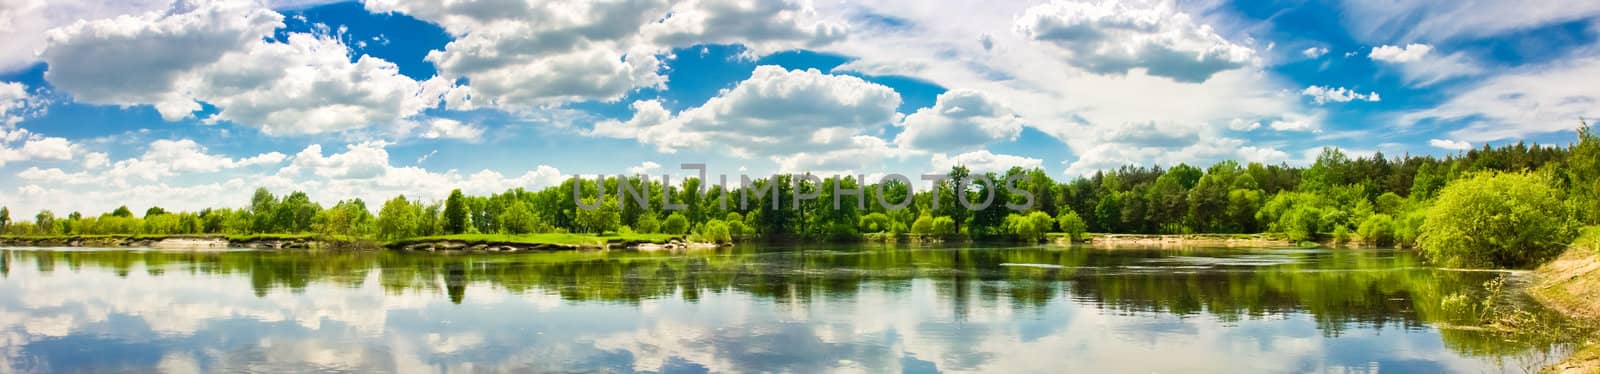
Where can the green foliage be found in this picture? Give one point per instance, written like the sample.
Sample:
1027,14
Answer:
519,219
399,219
1073,225
923,226
945,227
647,224
876,222
608,218
1497,219
1378,229
716,231
676,224
1030,227
455,213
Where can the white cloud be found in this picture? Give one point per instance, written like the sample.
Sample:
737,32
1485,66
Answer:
763,26
1539,99
526,56
1322,95
445,128
96,160
48,148
644,168
140,59
167,158
16,104
776,113
214,52
24,24
1454,145
1409,53
1421,66
959,119
1314,52
359,161
1117,36
1439,21
981,161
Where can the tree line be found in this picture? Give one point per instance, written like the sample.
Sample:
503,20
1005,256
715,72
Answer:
1377,199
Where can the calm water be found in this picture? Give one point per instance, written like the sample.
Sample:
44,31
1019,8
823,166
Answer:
857,309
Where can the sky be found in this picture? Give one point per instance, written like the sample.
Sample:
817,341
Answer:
192,103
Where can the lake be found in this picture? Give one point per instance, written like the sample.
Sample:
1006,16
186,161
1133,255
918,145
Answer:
847,308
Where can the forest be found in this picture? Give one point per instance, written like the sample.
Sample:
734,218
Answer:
1509,205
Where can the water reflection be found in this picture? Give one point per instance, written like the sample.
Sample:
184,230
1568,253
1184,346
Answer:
872,309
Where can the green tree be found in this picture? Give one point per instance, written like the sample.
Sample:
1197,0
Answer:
676,224
398,219
1377,229
124,212
716,231
46,222
154,211
1073,225
5,218
455,213
605,218
1497,219
648,224
519,219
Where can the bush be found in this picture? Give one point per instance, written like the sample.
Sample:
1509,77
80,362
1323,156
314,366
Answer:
944,226
876,222
716,231
1497,219
1378,230
1073,225
647,224
1029,228
923,226
676,224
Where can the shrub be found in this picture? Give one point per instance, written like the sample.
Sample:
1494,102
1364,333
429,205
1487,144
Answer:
876,222
647,224
944,226
1073,225
923,226
1378,230
716,231
676,224
1497,219
1029,228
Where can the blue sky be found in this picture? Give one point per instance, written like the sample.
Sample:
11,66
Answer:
190,104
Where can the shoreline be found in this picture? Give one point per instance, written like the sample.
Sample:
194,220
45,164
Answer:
1570,285
190,242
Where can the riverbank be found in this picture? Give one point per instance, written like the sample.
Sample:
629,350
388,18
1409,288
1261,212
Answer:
1571,284
192,242
540,242
1190,240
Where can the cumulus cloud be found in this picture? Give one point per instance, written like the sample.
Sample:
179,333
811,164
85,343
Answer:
17,104
959,119
1421,66
981,161
19,144
167,158
644,168
1539,99
775,113
524,56
1314,52
1323,95
445,128
24,24
1454,145
1117,36
215,52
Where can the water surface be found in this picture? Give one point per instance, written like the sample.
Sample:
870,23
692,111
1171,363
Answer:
852,308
